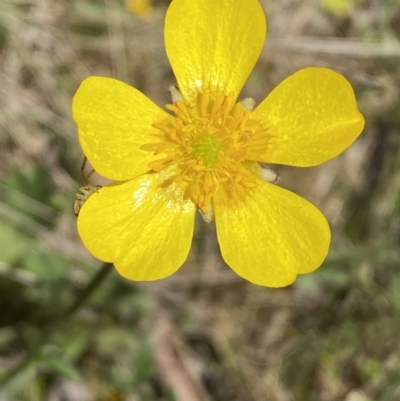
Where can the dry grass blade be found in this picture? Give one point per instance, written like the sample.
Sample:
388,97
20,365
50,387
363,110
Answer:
177,369
336,47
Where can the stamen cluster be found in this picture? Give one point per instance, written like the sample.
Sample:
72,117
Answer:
210,142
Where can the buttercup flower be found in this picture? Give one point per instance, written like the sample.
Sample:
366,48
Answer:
141,8
205,154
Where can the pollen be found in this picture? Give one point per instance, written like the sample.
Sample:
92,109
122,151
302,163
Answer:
210,143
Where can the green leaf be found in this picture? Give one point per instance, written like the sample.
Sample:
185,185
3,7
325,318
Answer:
7,334
62,367
14,244
143,363
308,283
333,276
46,266
34,183
28,192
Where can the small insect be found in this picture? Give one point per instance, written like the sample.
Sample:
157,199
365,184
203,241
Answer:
84,191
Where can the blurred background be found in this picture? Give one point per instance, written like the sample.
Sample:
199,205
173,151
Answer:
71,332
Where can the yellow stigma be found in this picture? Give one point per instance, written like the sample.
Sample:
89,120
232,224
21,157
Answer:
210,142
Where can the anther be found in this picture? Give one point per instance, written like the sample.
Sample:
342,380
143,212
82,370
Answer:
176,95
248,104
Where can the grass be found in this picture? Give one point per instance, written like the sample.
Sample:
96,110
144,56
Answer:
332,336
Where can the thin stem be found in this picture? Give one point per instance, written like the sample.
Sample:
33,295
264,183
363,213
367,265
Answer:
88,290
76,305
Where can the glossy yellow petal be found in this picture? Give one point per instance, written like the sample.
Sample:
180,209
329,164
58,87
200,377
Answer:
215,43
272,237
313,114
114,120
146,231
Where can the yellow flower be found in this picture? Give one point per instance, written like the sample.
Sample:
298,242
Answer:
204,155
141,8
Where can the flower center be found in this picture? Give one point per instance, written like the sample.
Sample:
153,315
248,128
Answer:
206,148
211,144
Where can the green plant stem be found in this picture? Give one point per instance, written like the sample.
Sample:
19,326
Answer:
75,307
88,290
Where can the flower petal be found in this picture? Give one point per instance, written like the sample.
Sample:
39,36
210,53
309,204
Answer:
213,43
114,120
313,114
272,237
145,230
